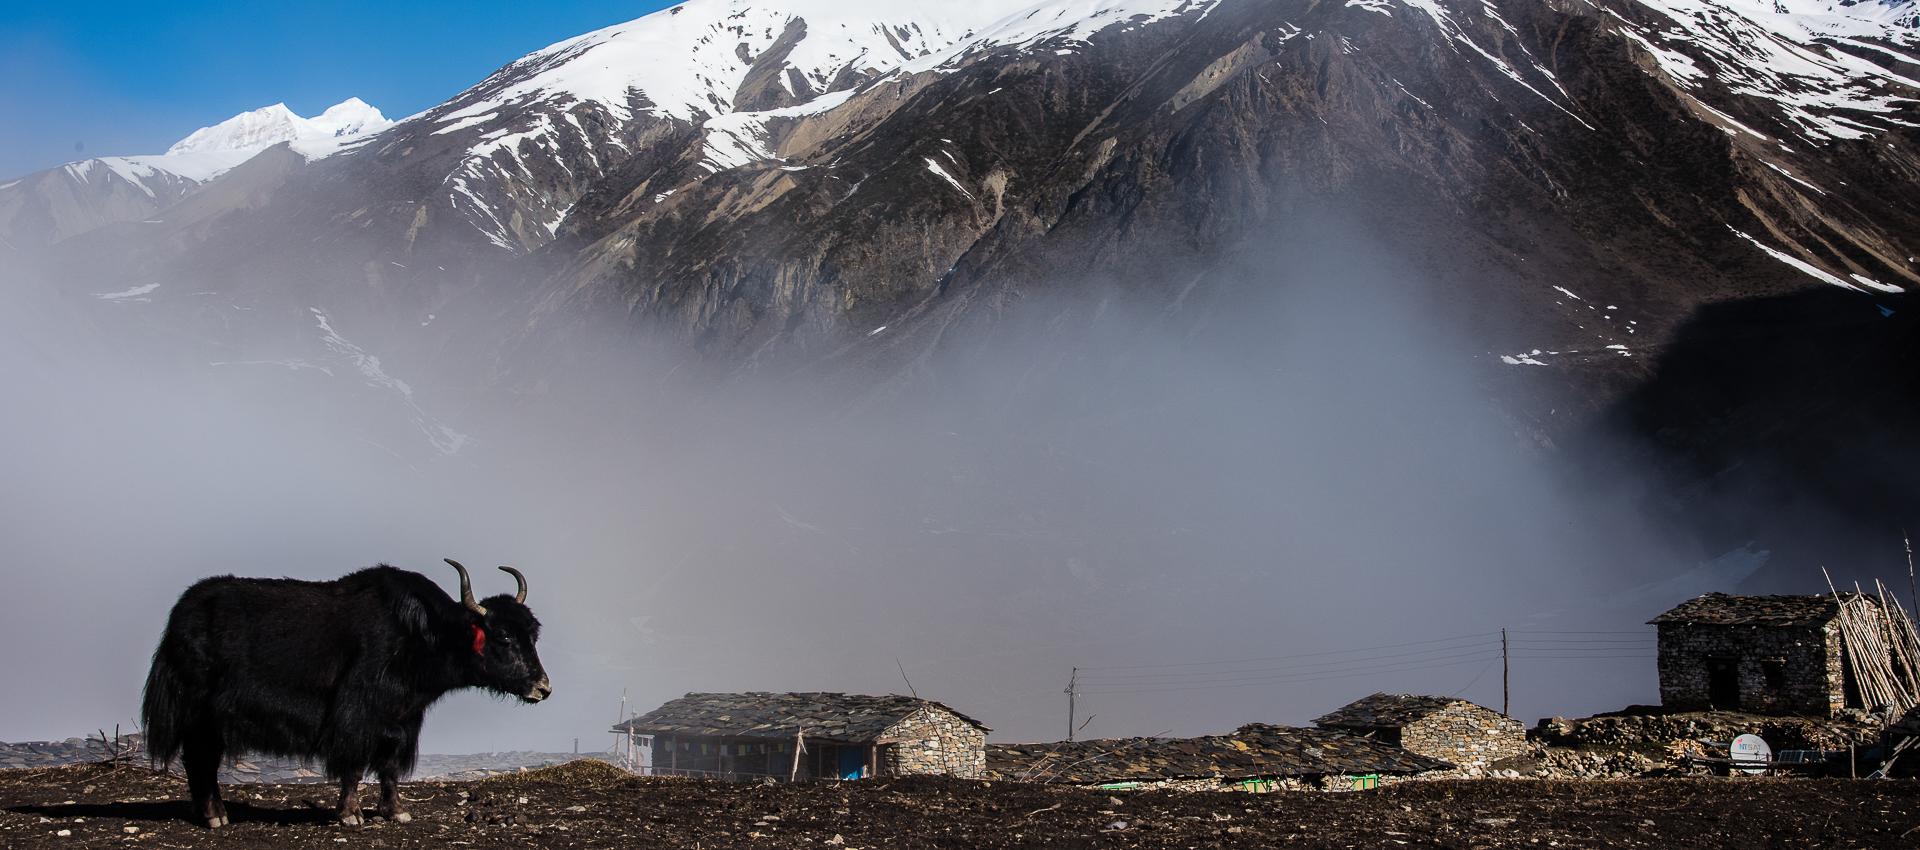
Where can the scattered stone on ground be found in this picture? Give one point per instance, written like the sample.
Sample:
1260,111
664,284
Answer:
256,770
592,804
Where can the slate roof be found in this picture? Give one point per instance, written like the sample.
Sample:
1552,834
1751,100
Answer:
1387,711
1720,609
850,718
1254,750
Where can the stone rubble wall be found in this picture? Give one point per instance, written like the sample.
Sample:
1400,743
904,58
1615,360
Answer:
1467,736
1848,728
933,742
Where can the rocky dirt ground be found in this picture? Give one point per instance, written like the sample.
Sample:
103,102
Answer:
268,770
590,804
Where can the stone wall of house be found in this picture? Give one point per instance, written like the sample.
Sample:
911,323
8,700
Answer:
931,741
1779,670
1465,735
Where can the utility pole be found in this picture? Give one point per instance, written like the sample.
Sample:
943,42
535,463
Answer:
1073,683
1504,692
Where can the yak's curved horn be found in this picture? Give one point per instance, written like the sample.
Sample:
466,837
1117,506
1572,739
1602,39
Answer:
520,597
466,589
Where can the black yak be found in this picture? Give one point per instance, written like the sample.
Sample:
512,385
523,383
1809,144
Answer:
336,671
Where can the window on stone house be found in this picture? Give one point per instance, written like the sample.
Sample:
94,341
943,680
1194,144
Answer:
1775,672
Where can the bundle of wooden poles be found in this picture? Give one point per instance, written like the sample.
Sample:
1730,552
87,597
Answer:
1882,652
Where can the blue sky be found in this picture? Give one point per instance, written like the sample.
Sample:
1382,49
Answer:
91,79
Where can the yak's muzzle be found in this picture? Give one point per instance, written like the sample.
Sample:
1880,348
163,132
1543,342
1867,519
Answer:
541,690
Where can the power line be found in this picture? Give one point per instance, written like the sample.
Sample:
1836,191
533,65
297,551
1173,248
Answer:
1285,667
1305,667
1524,639
1295,655
1325,678
1579,649
1234,675
1552,632
1476,678
1305,675
1543,646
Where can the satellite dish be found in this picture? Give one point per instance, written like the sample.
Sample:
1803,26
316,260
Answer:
1749,748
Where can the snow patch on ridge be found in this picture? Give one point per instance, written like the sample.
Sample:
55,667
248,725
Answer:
1069,23
1457,35
137,293
934,166
444,440
742,138
1784,53
1865,284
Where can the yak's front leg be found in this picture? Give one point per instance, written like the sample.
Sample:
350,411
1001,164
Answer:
349,810
394,757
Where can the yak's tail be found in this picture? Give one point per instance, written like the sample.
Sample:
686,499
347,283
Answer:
161,710
165,709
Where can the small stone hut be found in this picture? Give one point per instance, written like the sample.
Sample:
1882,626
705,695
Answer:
1256,757
1454,730
836,736
1759,654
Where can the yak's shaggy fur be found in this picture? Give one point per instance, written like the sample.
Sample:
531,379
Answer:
341,672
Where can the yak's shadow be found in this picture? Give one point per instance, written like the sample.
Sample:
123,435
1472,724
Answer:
178,810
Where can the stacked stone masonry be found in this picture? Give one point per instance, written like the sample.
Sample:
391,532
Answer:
1465,735
933,742
1765,655
1468,736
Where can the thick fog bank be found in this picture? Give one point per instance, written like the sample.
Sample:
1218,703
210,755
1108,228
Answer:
1295,476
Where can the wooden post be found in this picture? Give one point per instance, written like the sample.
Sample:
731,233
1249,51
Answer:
1072,683
1504,699
799,746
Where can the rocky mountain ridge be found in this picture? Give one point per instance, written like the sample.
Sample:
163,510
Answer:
1582,186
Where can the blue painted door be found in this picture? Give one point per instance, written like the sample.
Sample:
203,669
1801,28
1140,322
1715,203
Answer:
853,762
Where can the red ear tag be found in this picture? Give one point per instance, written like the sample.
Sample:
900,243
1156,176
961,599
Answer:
479,640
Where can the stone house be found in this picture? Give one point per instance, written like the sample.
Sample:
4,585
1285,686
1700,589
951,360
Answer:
1759,654
1470,736
835,736
1256,757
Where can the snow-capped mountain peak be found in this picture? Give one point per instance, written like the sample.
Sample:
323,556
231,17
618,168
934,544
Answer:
349,117
271,125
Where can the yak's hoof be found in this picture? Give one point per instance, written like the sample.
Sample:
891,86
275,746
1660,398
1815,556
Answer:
350,819
217,821
400,817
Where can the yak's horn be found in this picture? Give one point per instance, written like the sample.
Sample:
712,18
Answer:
466,589
520,597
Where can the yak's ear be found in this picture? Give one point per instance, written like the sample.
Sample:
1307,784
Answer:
413,617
